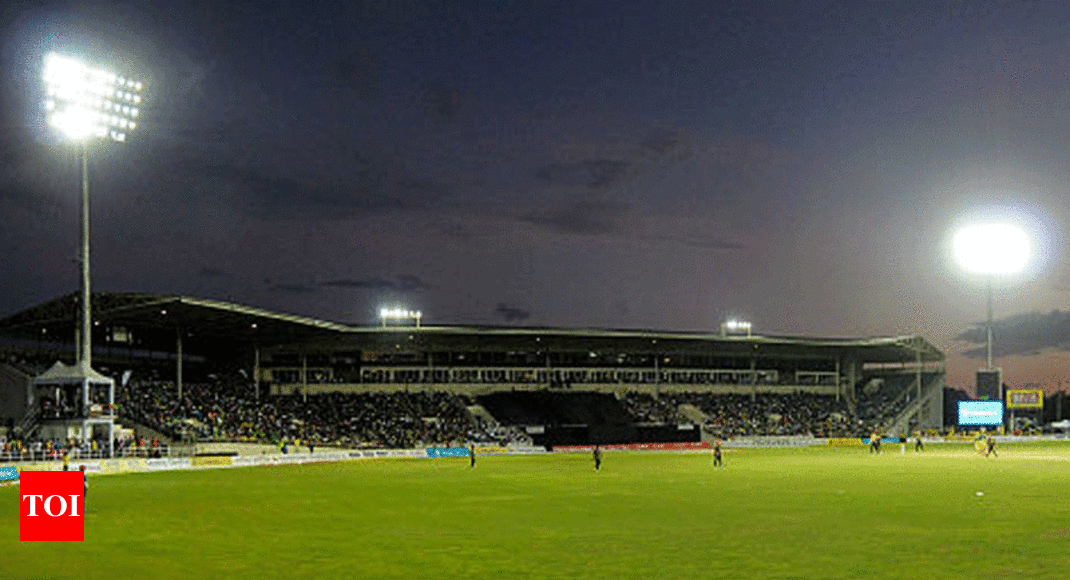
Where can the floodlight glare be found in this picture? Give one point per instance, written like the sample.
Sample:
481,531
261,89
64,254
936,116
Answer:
399,314
733,325
78,94
991,248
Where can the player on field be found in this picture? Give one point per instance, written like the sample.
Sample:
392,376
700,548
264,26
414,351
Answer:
918,445
991,444
472,455
717,462
597,453
66,461
85,481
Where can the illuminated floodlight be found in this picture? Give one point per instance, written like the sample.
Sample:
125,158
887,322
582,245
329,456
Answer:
991,248
386,314
735,326
79,96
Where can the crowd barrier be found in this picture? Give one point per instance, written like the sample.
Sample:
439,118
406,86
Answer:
141,465
771,441
138,465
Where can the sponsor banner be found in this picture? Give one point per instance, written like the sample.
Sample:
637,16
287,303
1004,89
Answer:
525,450
167,463
248,460
9,474
121,465
491,450
217,461
890,440
98,466
845,442
772,442
447,452
685,446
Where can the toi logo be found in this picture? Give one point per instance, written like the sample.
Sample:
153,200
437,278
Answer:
51,506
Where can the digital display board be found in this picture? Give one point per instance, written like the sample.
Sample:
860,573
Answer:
987,413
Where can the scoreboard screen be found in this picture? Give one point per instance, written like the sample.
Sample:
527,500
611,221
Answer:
981,413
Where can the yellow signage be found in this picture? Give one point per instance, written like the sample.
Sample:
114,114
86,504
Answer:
845,441
1025,399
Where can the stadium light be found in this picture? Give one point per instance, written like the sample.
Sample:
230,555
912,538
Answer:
733,326
85,103
386,314
991,249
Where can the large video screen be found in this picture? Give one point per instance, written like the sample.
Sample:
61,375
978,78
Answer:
981,413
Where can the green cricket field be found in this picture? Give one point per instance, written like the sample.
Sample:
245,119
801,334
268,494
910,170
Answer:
812,513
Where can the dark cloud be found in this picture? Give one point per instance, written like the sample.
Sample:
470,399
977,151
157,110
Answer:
365,284
404,283
584,218
212,273
662,143
511,313
357,70
369,189
443,101
292,288
408,282
592,173
1022,334
704,242
457,231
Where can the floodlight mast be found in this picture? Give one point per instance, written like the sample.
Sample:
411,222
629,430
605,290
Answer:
991,249
85,103
86,343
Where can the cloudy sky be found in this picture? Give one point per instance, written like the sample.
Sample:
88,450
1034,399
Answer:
633,164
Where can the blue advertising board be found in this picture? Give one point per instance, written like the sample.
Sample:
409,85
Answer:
981,413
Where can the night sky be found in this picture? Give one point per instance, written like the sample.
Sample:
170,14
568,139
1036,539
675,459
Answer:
646,164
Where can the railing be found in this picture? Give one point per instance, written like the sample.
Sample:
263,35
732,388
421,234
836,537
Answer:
80,455
930,390
29,422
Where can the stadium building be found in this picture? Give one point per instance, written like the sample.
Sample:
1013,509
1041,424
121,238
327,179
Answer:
559,386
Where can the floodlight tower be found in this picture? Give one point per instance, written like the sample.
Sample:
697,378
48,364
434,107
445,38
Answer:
991,249
87,104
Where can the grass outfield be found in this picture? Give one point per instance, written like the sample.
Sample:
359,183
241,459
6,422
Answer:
815,513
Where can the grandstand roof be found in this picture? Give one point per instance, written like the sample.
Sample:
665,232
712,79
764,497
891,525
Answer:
209,322
891,349
167,314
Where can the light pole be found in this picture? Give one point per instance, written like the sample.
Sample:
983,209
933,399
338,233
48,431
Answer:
85,104
991,250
